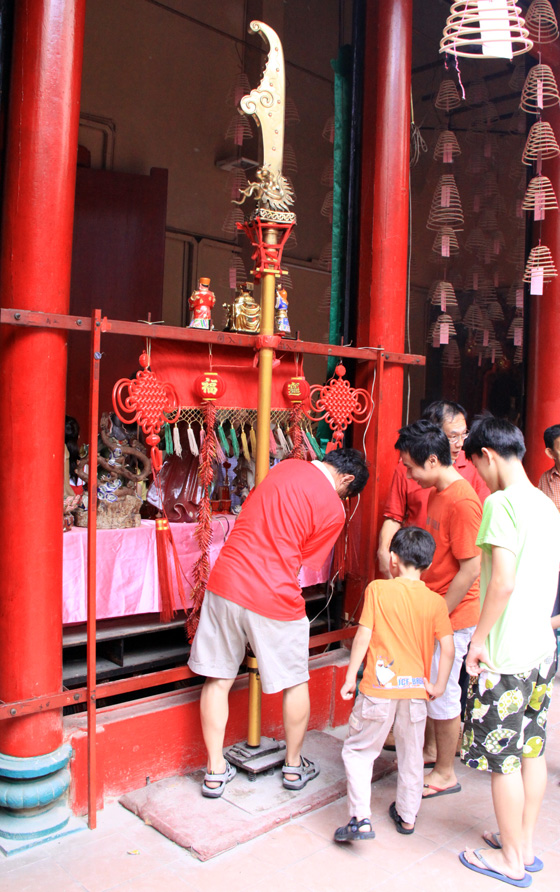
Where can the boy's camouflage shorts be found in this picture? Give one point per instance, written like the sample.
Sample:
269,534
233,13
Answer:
506,718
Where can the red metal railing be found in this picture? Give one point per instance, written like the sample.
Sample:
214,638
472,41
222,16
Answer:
98,325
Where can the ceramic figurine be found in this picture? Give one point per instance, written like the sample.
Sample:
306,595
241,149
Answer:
201,302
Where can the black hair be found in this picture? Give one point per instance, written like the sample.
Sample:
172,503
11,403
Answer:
488,432
443,410
550,435
414,546
422,439
349,461
71,434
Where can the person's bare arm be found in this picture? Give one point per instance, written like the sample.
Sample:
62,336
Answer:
388,530
447,655
357,654
466,575
498,593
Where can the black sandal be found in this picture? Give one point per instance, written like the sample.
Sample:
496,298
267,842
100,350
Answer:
355,830
393,813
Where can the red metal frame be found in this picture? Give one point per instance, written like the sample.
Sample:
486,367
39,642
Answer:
97,326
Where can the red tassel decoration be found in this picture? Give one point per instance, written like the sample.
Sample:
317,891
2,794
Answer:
201,571
295,432
168,567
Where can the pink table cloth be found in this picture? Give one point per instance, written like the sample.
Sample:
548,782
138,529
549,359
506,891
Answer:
127,578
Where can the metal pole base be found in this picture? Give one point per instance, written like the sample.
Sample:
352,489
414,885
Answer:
257,759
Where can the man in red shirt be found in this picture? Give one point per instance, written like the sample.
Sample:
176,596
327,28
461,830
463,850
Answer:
293,517
453,518
407,501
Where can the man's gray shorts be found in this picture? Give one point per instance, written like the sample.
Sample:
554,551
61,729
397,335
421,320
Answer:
280,646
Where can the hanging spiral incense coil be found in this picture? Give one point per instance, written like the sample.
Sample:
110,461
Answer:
447,147
541,143
442,294
539,90
463,34
540,194
448,96
445,242
541,22
446,209
541,258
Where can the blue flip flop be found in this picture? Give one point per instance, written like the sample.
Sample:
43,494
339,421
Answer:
489,872
494,843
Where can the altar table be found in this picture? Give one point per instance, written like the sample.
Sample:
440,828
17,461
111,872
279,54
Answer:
127,577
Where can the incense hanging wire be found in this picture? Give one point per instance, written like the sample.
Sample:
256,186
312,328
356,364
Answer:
223,439
234,440
178,449
417,141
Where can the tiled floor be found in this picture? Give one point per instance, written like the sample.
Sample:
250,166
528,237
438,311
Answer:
125,855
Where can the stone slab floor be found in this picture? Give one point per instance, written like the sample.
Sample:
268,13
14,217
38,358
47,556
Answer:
125,855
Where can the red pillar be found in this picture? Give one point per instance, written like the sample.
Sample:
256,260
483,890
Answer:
38,209
543,357
384,234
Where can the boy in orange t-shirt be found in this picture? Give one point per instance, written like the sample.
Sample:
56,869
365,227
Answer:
399,622
454,517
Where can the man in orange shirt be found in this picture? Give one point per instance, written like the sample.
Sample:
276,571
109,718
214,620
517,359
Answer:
453,519
407,501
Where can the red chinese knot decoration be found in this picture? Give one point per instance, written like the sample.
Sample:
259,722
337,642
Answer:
149,403
339,404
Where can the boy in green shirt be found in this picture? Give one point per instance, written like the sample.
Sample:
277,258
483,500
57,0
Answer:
510,658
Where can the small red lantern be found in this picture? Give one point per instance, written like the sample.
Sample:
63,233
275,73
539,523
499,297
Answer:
296,389
210,386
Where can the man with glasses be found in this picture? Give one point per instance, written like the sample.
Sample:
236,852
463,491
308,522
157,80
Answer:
407,501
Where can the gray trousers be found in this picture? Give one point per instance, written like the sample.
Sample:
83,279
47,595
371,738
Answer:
370,723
